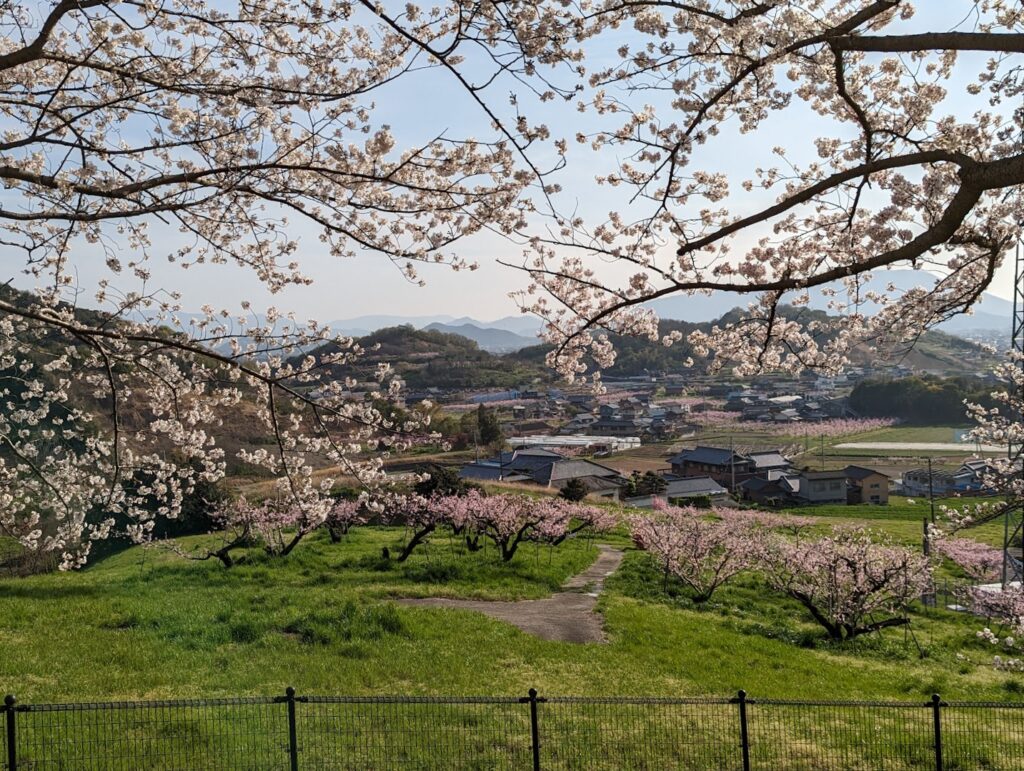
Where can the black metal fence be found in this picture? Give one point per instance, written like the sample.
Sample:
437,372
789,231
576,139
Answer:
292,732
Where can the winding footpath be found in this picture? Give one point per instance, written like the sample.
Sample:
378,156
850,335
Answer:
567,616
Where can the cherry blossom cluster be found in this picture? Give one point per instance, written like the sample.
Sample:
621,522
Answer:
111,424
893,171
1001,424
1009,664
1003,609
209,135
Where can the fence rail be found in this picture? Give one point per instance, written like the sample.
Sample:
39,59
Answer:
291,732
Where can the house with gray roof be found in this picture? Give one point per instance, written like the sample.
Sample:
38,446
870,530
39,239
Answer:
682,491
823,486
722,465
547,468
726,466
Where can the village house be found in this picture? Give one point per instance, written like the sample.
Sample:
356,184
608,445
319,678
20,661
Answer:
865,485
852,485
546,468
777,489
684,491
722,465
969,479
767,461
822,487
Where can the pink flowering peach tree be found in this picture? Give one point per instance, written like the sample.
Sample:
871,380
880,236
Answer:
276,526
702,549
852,581
507,521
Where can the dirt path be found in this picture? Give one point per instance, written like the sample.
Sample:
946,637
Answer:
567,616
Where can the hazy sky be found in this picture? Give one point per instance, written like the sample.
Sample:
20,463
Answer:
424,105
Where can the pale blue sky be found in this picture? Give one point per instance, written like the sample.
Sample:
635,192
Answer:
428,103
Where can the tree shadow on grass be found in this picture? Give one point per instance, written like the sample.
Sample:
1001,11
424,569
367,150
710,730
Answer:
50,593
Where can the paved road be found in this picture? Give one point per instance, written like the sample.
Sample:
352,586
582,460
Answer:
567,616
942,446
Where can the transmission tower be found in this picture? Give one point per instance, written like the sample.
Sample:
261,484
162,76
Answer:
1013,522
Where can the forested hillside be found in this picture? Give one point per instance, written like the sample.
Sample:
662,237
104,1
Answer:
426,358
934,351
926,400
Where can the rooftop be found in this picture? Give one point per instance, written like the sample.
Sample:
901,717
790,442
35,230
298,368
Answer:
835,474
861,472
714,456
694,486
768,459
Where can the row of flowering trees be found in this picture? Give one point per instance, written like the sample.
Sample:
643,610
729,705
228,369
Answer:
851,581
831,428
507,521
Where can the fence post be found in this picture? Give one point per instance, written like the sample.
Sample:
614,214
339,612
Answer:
741,699
534,729
12,736
937,721
293,744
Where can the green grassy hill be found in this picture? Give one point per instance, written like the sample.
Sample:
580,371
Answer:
147,624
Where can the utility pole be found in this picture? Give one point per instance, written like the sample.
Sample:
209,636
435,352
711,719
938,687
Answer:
732,465
931,490
1012,530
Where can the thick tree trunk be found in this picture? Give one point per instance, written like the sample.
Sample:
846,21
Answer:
857,631
417,538
224,555
287,549
509,547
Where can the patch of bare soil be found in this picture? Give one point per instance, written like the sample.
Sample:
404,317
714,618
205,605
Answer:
567,616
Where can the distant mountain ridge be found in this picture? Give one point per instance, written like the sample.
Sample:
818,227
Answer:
513,333
990,313
491,339
523,326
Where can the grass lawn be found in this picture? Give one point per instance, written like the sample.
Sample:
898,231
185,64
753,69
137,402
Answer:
147,624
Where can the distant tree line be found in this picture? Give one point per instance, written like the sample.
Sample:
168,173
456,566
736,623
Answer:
922,399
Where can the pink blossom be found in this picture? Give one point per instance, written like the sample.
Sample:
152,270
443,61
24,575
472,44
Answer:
702,551
980,561
852,582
